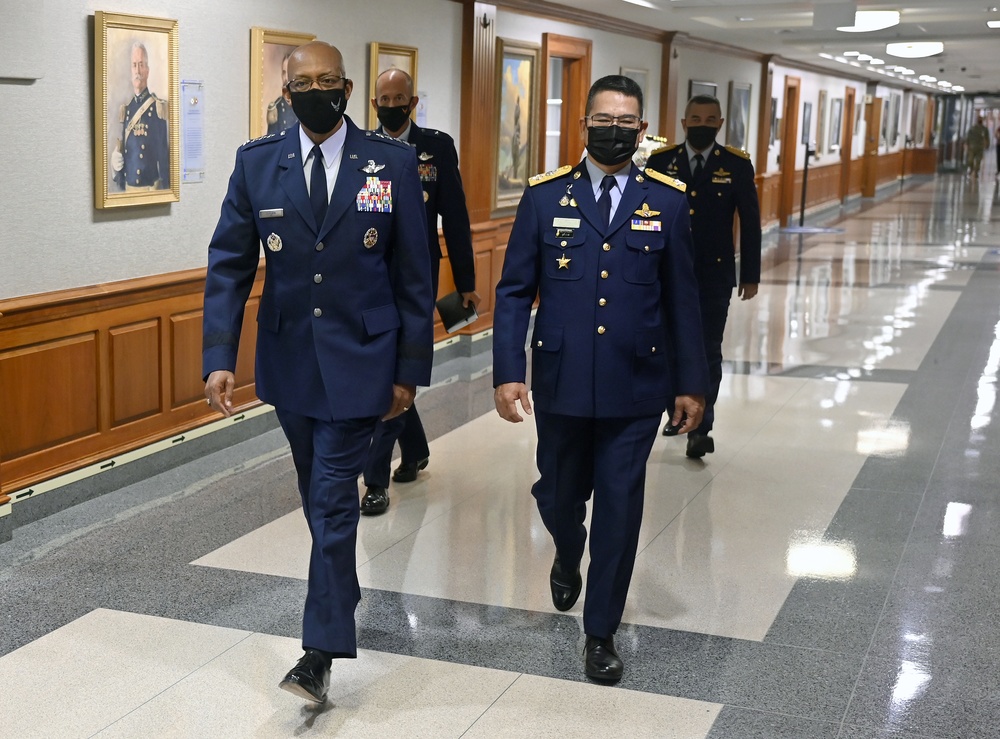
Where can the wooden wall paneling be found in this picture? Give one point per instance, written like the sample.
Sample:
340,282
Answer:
873,123
48,394
479,107
186,385
764,114
135,370
790,185
846,142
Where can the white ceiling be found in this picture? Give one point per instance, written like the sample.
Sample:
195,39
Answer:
970,56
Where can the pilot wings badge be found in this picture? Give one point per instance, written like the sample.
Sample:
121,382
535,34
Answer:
372,168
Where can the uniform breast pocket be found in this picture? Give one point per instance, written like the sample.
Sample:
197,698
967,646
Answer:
562,257
644,249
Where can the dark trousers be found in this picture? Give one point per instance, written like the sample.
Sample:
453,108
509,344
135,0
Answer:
405,428
328,457
605,457
714,303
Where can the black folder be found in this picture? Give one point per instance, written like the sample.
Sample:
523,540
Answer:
453,315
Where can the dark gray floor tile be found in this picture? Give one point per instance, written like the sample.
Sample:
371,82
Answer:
896,695
740,723
867,732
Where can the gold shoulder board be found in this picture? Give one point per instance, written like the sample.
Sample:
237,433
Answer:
672,181
162,108
737,152
545,177
660,150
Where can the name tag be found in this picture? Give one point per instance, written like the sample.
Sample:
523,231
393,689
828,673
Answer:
722,180
638,224
566,223
272,213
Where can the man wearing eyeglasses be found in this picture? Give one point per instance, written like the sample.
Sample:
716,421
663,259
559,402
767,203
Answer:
720,184
437,163
345,322
616,341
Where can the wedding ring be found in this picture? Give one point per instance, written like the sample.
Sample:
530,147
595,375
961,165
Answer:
406,407
208,400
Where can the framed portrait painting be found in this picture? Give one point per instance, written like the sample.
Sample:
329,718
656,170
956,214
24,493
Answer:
701,88
517,101
136,126
836,124
807,112
389,56
774,122
821,123
738,114
269,51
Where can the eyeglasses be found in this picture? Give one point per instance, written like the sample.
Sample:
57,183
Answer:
602,120
328,82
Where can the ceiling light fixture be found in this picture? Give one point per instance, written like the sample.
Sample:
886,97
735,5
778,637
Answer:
851,53
942,83
877,61
872,20
927,78
914,49
641,3
864,57
957,88
993,24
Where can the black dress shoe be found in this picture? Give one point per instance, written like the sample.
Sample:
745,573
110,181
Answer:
601,660
310,678
565,586
376,501
408,472
699,445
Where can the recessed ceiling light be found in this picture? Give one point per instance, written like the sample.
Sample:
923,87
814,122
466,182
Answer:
877,61
942,83
914,49
927,78
958,88
993,24
851,53
744,19
642,3
872,20
864,57
826,56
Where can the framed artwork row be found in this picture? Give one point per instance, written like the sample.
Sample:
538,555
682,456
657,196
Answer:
517,84
269,52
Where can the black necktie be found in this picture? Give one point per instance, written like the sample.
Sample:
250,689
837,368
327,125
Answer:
699,164
317,187
604,202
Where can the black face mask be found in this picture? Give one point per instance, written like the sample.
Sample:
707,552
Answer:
393,118
319,110
611,145
701,137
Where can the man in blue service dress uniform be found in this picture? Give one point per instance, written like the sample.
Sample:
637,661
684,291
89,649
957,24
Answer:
141,157
345,324
437,164
720,183
617,340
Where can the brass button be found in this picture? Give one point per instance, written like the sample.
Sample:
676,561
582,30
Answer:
317,312
694,194
719,259
607,247
653,350
645,248
320,246
317,279
691,211
562,243
602,302
539,343
601,329
604,274
140,156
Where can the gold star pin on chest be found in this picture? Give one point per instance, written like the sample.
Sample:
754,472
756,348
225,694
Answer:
563,262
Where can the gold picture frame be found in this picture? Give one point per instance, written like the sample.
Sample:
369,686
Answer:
136,131
516,149
269,113
388,56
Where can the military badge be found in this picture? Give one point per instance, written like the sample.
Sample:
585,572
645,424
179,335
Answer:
375,196
563,262
274,242
424,156
372,168
427,172
427,196
645,212
371,238
639,224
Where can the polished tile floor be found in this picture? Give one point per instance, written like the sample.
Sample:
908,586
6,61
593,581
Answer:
831,571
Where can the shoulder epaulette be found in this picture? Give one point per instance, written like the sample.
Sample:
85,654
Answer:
672,181
435,133
260,140
551,175
737,152
162,108
660,150
387,139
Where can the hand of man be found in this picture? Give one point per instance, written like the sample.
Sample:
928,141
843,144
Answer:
402,399
506,396
690,408
472,298
117,160
747,290
219,390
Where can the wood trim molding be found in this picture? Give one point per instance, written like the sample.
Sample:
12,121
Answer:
714,47
764,113
577,84
478,105
586,18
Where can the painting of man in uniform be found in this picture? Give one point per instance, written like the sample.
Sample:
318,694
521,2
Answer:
277,114
516,135
138,144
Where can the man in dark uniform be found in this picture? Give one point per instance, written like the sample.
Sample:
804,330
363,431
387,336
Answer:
437,163
617,340
720,183
279,113
141,158
345,323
